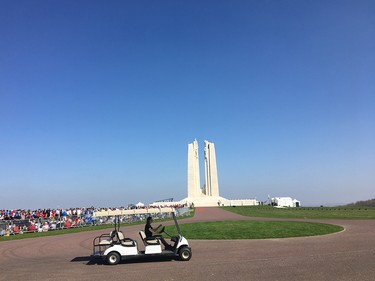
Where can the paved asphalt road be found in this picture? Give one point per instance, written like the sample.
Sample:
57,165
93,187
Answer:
344,256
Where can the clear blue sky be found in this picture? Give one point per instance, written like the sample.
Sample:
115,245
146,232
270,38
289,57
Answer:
99,99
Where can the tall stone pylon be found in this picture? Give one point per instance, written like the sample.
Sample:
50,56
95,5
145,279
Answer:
194,189
209,195
211,179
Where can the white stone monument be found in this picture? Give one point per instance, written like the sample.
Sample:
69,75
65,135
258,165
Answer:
193,170
208,196
211,183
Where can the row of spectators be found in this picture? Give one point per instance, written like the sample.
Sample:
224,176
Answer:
46,213
55,213
32,226
26,221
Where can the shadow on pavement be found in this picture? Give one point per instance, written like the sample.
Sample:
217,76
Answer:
144,259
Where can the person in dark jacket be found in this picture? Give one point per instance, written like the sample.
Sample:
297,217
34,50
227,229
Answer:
152,232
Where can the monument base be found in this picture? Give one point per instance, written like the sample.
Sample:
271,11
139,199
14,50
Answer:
205,201
208,201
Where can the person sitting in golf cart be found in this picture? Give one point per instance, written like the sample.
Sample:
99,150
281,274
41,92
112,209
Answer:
150,232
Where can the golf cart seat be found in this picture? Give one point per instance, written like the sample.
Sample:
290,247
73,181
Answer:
127,242
148,240
109,238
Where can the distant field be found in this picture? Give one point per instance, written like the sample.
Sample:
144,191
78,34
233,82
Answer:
253,229
344,213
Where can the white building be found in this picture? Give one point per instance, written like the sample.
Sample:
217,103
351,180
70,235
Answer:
285,202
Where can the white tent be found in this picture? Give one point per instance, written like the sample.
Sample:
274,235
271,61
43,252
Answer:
285,202
139,204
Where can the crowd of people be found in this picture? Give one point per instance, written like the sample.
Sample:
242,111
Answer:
43,213
22,221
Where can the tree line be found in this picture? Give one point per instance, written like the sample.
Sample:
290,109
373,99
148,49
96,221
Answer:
366,203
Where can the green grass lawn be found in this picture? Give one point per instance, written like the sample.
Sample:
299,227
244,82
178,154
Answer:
344,213
253,229
236,229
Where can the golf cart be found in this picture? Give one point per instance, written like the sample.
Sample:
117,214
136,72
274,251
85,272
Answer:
114,247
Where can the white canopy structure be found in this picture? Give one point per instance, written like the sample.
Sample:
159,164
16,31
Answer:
139,204
133,212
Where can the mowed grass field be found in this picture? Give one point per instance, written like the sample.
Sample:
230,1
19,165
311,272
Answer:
217,230
252,229
276,229
341,213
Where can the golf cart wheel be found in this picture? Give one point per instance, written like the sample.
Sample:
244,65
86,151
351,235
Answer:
112,258
185,254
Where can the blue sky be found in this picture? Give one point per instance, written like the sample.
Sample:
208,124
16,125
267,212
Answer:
99,99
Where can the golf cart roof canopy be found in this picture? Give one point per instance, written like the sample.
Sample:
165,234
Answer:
134,212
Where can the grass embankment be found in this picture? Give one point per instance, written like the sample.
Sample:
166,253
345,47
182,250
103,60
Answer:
342,213
253,229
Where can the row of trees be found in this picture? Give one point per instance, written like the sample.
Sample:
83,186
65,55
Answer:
367,203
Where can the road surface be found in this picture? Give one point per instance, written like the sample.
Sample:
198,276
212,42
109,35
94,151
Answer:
344,256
